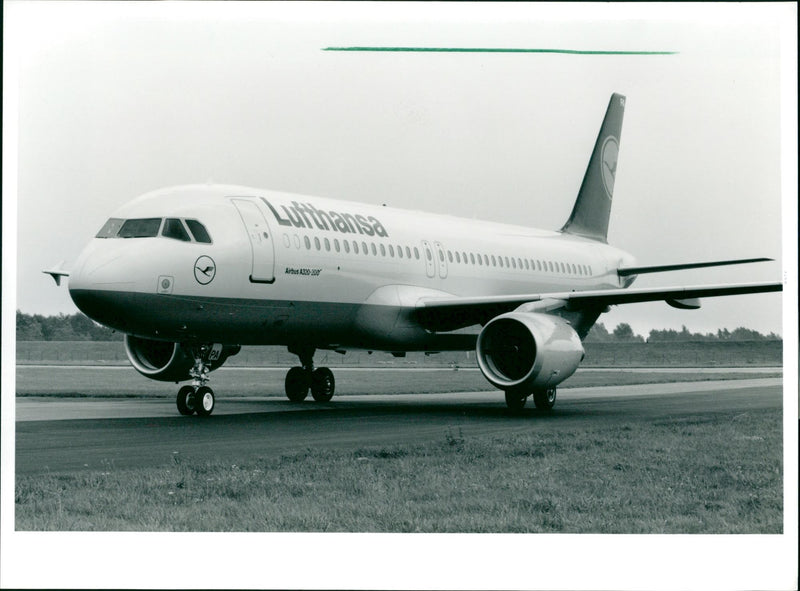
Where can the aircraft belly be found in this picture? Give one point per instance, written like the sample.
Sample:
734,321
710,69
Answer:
248,321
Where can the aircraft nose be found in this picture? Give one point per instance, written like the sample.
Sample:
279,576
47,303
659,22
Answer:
99,268
98,283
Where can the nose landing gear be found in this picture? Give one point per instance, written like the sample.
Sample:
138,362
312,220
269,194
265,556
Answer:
301,378
197,398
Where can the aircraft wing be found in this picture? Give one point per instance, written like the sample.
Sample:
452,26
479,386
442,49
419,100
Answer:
443,312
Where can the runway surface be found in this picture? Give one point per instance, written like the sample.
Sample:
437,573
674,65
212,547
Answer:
65,435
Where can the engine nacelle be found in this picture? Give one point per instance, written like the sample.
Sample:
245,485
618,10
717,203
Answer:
170,362
528,351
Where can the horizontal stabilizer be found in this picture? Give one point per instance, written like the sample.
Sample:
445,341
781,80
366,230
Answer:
662,268
57,272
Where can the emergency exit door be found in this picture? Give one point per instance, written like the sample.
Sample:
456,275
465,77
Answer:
263,255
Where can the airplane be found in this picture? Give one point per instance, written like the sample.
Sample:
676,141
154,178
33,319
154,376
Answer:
190,274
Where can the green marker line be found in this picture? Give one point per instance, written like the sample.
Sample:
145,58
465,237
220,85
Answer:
498,50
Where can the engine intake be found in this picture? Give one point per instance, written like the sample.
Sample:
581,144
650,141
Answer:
528,351
170,362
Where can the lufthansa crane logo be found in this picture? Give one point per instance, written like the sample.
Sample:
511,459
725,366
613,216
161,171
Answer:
608,159
204,270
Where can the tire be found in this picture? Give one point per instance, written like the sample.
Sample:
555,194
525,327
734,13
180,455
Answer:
515,400
204,401
297,384
545,399
185,401
323,384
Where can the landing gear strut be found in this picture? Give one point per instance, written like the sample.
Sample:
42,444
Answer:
197,398
301,378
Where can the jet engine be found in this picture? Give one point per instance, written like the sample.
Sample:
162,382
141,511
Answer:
171,362
528,351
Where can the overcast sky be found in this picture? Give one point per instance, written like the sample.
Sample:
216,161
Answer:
116,100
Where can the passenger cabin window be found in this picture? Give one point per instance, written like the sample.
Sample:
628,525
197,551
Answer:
173,228
199,231
140,228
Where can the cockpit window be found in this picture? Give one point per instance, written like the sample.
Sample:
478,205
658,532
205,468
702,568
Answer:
148,228
199,231
173,228
140,228
110,228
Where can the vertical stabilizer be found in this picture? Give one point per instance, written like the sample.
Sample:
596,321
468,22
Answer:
589,217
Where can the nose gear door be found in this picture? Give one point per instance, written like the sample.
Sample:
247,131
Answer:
263,254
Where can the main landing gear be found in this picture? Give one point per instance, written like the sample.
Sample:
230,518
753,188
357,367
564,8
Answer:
197,398
543,399
304,377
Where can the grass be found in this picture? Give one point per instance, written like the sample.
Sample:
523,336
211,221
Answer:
677,354
243,382
695,474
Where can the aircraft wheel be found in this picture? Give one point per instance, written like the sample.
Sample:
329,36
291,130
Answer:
297,383
186,400
544,399
322,384
204,401
516,400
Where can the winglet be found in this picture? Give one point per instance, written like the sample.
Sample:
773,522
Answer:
57,273
592,208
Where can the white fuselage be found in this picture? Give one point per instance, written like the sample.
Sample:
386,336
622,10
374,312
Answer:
309,268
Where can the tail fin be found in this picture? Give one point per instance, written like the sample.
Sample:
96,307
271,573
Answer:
592,208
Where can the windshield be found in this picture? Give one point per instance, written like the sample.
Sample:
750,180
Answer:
110,228
140,228
149,227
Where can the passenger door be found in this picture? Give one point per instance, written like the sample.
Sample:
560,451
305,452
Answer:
263,255
427,252
442,260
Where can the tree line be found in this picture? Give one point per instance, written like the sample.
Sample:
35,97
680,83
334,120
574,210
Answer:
73,327
623,333
79,327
